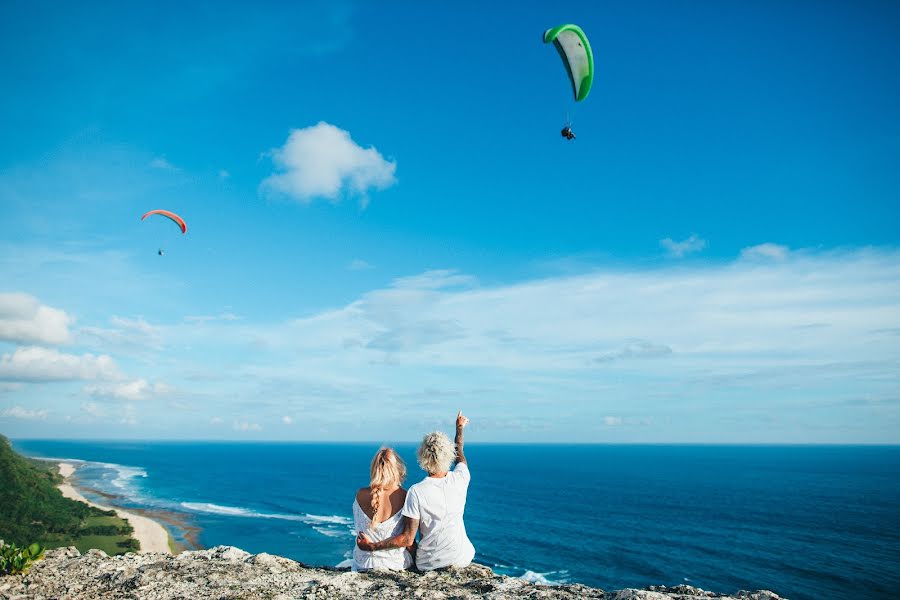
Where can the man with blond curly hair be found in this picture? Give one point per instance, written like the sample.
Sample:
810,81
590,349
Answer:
435,506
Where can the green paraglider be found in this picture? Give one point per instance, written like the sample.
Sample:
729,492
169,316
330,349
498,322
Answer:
575,51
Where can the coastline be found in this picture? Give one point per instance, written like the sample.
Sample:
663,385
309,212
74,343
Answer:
152,536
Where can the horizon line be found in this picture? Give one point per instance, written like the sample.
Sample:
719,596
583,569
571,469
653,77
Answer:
468,443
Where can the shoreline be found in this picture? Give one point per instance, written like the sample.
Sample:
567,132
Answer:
152,536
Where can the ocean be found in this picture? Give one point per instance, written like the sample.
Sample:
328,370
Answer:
803,521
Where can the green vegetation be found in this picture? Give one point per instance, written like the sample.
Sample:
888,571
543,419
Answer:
93,535
14,559
32,510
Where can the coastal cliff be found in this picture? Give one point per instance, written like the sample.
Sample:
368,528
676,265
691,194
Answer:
225,572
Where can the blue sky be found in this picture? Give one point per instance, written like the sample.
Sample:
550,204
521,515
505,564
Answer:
385,225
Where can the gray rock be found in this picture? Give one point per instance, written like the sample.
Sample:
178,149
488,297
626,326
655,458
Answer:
228,573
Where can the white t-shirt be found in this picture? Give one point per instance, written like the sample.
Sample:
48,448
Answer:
438,504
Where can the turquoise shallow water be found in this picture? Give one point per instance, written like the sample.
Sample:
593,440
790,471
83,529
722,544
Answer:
804,521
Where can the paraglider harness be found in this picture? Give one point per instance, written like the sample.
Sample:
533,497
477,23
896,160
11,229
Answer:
567,133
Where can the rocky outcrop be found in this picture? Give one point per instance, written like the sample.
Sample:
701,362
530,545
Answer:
228,573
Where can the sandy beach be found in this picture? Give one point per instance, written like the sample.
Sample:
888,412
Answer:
152,536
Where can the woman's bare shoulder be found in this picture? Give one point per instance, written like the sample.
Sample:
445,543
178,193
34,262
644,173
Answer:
398,497
364,496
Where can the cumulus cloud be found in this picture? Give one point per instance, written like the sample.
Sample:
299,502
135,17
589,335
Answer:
24,320
17,412
36,364
139,389
684,247
287,420
767,251
323,161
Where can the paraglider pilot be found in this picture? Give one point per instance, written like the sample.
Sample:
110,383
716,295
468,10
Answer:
567,133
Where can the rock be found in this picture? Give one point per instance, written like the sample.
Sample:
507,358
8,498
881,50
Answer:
225,572
68,552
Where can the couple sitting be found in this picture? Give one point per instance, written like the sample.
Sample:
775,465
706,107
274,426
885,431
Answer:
388,517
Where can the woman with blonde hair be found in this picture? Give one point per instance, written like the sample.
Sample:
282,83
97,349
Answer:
376,511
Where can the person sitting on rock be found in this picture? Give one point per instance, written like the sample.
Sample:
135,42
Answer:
376,509
435,506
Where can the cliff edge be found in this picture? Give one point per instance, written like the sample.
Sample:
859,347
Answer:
225,572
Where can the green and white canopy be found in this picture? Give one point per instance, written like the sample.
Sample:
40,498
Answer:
575,51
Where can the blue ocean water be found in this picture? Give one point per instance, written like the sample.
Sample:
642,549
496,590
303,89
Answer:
804,521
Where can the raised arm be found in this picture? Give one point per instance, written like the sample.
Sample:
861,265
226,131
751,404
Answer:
404,539
461,422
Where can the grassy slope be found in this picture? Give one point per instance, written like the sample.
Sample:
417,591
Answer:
32,509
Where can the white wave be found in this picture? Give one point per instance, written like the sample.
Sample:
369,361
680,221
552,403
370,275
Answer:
332,519
542,579
124,475
237,511
330,532
330,525
345,564
122,478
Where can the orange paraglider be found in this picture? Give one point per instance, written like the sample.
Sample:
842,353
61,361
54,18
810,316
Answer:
166,213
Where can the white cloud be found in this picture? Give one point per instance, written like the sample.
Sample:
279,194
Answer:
684,247
223,174
125,334
139,325
636,349
287,420
216,421
245,426
23,319
226,316
435,279
92,409
161,163
139,389
323,161
128,415
358,264
612,421
737,316
767,251
17,412
36,364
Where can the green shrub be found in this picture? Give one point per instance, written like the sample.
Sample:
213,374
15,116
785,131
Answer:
130,545
15,559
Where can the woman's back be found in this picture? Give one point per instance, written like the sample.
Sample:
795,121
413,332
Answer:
390,523
387,509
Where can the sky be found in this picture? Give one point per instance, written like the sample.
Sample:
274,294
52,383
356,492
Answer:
385,225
